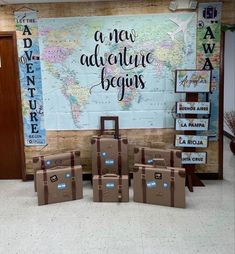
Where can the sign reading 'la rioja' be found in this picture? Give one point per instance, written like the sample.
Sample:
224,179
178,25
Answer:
191,141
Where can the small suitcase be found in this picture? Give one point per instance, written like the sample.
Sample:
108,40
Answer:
54,160
159,185
59,185
110,188
145,155
109,153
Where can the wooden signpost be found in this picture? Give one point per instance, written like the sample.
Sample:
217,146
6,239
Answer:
192,82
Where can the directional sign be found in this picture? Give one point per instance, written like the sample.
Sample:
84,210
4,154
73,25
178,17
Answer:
191,141
192,107
193,158
191,124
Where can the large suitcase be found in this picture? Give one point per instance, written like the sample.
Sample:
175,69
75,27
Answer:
59,185
159,185
54,160
145,155
110,188
109,152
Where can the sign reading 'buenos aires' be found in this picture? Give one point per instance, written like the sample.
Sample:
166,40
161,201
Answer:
192,107
191,141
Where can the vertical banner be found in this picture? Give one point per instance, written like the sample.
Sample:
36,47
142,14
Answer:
30,77
208,54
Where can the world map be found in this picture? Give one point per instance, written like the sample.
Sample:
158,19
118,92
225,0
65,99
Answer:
114,65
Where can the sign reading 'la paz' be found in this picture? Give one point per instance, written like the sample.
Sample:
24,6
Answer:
191,124
193,158
191,141
192,81
192,107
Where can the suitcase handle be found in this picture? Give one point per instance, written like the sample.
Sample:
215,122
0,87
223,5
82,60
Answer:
159,162
110,175
103,119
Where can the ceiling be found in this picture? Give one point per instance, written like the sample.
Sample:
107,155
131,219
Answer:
5,2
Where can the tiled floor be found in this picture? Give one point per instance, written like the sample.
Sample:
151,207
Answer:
205,227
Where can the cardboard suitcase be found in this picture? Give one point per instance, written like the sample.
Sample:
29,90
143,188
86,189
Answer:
59,185
159,185
54,160
145,155
110,188
109,152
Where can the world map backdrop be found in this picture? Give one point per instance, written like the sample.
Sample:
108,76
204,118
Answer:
114,65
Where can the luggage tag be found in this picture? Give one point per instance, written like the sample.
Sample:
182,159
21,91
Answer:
103,154
67,175
158,175
61,186
150,161
110,185
54,178
109,162
151,184
48,162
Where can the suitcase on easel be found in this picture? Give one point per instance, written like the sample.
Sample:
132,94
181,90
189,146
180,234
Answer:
109,151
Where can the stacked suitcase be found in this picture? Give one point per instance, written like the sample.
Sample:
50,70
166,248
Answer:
58,177
158,177
109,165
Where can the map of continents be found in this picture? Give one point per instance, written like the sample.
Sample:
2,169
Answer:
74,97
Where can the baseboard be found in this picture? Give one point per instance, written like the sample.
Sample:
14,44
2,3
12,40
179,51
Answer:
208,176
228,135
28,177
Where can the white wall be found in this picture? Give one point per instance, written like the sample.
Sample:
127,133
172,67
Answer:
229,74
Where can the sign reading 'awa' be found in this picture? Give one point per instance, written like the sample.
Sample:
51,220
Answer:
191,124
191,141
193,107
193,158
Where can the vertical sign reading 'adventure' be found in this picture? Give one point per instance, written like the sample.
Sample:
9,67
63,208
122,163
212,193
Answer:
30,77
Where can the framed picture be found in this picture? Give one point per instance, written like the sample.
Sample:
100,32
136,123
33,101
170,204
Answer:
192,81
